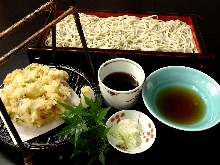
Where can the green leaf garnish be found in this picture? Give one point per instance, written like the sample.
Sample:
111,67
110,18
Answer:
86,127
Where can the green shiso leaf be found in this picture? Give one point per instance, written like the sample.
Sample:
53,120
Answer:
66,131
86,129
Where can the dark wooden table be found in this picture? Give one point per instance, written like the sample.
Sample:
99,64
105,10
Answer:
171,146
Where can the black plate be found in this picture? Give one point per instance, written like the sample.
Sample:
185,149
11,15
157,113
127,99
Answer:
77,79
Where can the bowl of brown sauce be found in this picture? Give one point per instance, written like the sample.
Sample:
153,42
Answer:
183,98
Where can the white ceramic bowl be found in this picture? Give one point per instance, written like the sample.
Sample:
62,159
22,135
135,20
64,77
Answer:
148,137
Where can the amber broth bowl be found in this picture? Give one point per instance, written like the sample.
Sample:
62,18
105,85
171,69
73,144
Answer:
198,90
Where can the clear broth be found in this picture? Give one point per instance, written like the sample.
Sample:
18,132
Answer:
180,105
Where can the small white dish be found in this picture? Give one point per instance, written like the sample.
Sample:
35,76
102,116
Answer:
148,136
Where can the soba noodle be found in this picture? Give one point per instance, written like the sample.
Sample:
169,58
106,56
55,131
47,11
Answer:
126,33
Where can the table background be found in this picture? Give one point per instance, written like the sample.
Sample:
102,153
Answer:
187,147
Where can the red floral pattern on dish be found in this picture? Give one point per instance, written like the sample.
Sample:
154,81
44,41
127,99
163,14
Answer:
146,135
149,134
112,93
135,97
118,117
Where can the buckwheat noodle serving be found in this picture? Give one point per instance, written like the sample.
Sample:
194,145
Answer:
126,33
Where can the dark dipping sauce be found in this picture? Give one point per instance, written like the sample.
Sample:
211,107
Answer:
120,81
180,105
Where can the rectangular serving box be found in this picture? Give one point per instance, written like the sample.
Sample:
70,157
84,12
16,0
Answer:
150,60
